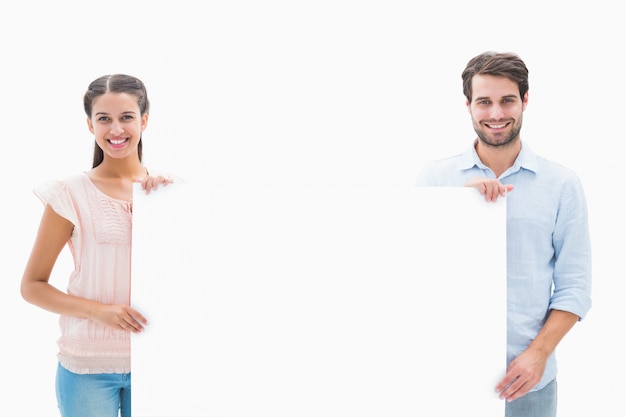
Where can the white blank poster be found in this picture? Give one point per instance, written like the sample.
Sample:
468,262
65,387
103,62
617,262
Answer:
287,301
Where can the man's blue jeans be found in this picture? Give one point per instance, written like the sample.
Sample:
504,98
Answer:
92,395
540,403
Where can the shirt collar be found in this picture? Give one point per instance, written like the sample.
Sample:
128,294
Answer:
526,159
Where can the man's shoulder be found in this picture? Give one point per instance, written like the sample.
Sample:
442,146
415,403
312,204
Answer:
453,160
441,172
554,169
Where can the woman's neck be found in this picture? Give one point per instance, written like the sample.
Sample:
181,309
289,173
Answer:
129,170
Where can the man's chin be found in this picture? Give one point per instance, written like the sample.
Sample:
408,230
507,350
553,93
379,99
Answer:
497,142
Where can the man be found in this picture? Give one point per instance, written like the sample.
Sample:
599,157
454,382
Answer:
548,248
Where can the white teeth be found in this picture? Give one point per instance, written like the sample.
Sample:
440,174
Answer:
497,126
117,141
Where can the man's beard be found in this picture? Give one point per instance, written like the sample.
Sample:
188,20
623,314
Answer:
509,139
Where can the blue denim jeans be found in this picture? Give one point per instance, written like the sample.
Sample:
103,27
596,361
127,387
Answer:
540,403
92,395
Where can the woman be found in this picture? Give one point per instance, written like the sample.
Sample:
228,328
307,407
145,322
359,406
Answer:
91,212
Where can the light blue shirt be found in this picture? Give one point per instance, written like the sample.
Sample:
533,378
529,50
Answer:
548,246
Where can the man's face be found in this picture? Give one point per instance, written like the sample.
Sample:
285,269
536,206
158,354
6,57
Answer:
496,109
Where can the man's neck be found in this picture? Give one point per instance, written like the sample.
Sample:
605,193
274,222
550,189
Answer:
498,158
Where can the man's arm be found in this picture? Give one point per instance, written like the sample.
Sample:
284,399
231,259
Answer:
526,370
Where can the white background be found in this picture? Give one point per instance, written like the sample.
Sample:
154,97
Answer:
323,92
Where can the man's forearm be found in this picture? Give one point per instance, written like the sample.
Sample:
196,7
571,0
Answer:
558,324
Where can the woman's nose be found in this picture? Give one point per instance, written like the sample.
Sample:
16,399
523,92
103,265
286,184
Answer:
116,128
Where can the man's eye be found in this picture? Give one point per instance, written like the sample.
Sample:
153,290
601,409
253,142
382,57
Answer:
127,117
103,119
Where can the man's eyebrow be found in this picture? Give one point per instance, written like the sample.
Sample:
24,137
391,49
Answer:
489,98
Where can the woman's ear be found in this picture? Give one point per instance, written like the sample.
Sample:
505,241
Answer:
90,125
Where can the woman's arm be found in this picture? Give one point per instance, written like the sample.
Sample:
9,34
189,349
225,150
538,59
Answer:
53,234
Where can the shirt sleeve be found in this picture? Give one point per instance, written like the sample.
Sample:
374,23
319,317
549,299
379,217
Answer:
58,196
572,265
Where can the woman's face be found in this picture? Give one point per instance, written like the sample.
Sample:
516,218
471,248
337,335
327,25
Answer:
117,123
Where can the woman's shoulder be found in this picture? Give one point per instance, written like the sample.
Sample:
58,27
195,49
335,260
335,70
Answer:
65,185
75,179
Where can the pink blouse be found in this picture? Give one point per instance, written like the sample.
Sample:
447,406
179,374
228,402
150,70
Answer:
101,248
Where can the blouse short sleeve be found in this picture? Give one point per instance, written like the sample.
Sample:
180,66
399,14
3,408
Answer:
58,196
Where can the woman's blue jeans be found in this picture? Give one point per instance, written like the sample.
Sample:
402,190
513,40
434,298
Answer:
92,395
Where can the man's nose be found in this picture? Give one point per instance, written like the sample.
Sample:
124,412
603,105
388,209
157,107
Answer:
496,112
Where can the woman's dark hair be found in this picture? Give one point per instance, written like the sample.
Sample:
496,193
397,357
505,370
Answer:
116,83
505,64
